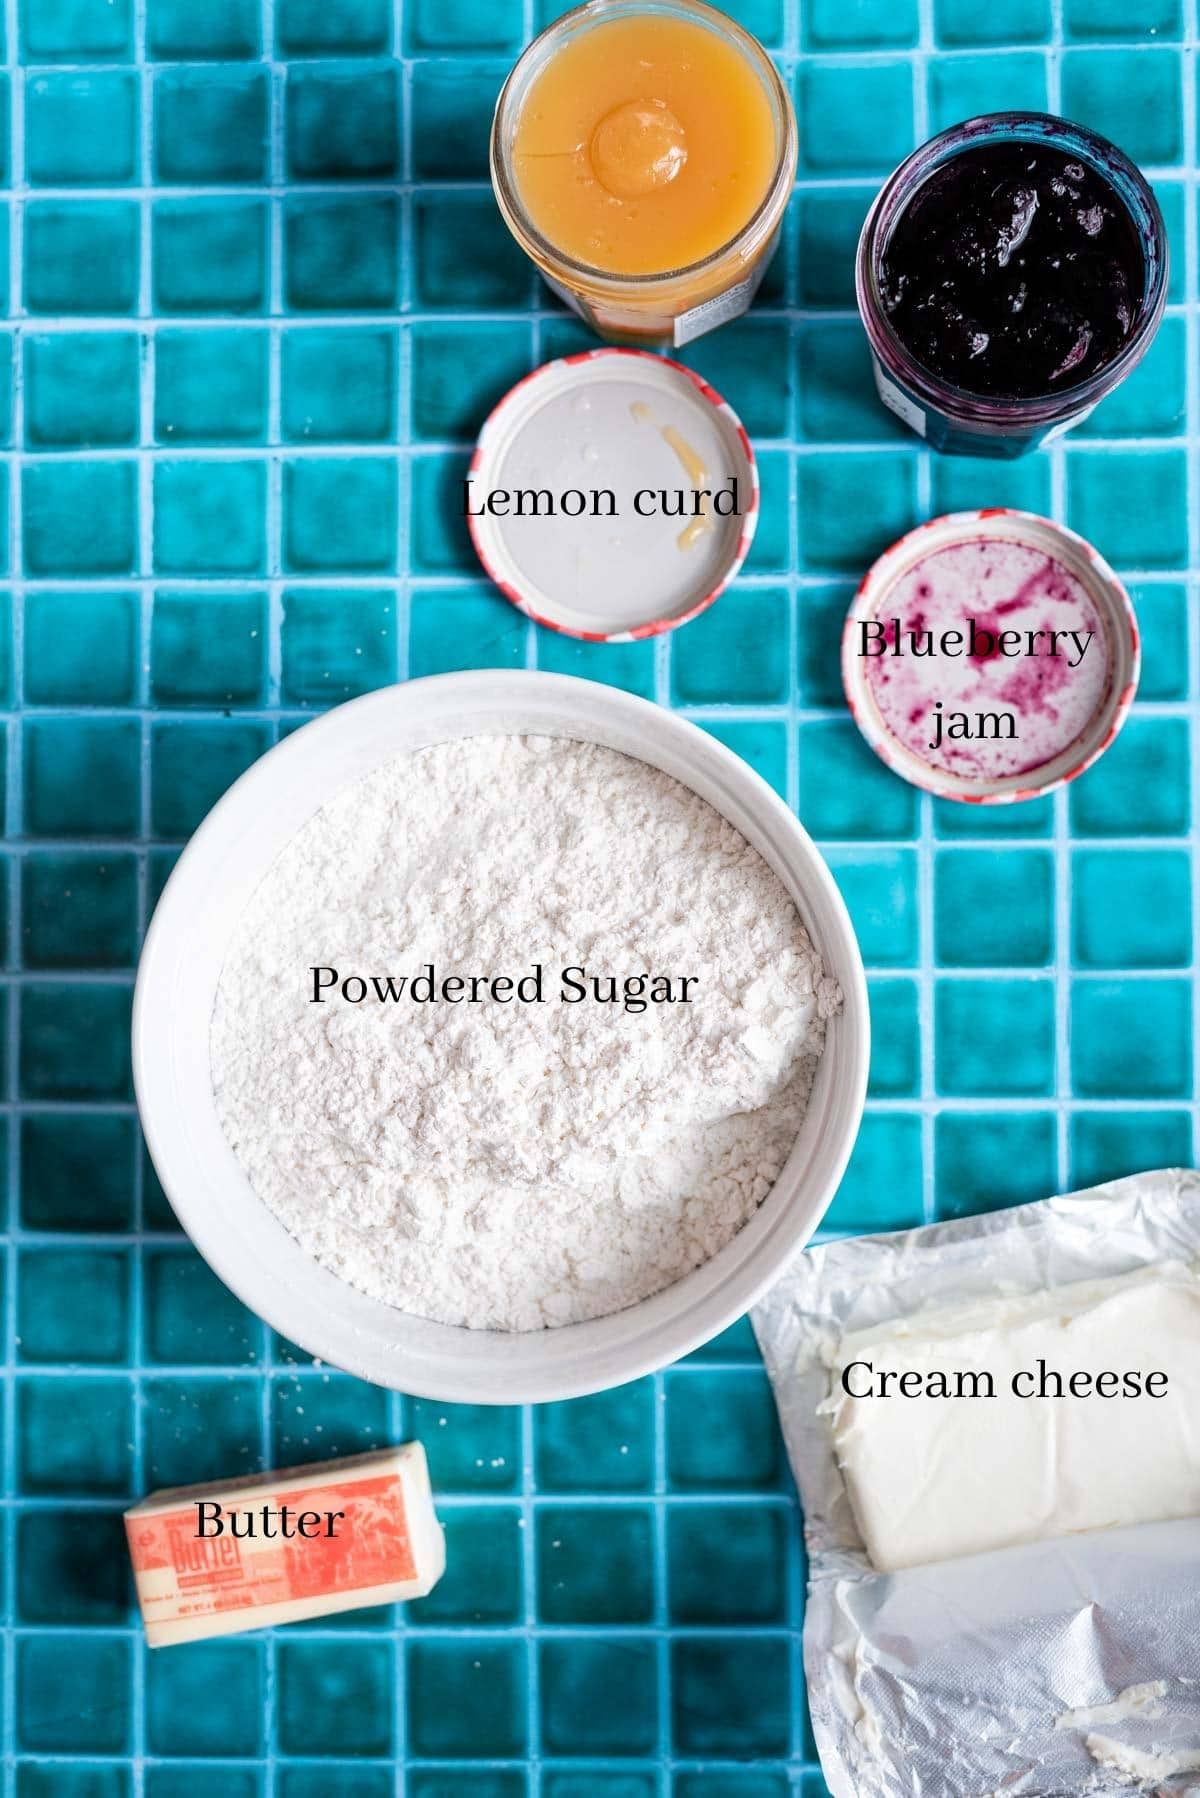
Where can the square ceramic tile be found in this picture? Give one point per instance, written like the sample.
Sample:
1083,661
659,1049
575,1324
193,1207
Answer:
471,1448
55,1023
200,1427
985,1161
73,1436
342,122
600,1444
81,130
734,1706
316,1418
467,1699
736,652
222,29
208,649
210,125
73,1569
761,744
189,498
190,1318
868,25
336,644
727,1565
961,24
210,386
445,405
1164,620
451,629
836,531
191,765
436,25
197,1779
572,1670
846,791
341,255
880,890
229,1722
350,1781
1127,20
338,385
80,518
883,1186
452,105
831,221
838,400
1131,504
973,1017
339,514
75,31
722,1431
960,87
73,1306
1141,787
994,910
80,647
483,1583
1131,908
95,1669
77,1172
1135,100
595,1564
856,118
463,255
1107,1145
82,777
81,256
314,28
82,390
334,1704
210,256
1131,1039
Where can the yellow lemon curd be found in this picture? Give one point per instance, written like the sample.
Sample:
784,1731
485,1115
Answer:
645,143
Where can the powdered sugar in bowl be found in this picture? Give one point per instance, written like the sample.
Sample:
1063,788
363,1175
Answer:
234,1177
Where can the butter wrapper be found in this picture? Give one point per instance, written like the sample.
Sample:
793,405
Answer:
1048,1669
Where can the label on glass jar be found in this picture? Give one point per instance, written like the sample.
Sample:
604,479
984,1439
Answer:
897,401
717,311
635,324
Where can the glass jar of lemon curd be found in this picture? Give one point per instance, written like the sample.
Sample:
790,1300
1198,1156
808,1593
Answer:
643,154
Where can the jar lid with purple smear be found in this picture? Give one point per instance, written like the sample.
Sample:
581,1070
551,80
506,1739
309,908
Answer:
990,656
1010,273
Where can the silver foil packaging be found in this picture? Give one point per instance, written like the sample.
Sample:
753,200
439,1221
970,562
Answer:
1049,1670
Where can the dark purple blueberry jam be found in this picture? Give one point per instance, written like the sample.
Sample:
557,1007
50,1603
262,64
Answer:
1014,272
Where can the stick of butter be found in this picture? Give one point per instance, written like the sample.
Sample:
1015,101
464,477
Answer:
279,1547
1022,1417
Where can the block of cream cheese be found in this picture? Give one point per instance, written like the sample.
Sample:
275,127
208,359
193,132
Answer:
932,1477
279,1547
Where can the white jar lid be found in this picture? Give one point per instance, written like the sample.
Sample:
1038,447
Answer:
1079,559
613,495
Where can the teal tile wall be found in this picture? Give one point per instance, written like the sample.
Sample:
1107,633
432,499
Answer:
258,301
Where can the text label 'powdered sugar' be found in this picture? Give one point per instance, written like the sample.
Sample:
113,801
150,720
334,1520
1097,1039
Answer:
632,992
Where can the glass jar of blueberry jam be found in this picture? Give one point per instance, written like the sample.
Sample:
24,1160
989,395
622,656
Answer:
1010,274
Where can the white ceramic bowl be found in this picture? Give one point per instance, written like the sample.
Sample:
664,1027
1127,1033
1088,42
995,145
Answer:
242,1240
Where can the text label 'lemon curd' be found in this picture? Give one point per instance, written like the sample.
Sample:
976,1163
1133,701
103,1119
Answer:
643,156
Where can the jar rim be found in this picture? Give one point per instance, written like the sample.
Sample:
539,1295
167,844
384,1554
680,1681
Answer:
1122,173
516,216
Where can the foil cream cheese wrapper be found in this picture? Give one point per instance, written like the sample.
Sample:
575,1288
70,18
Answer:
1060,1668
